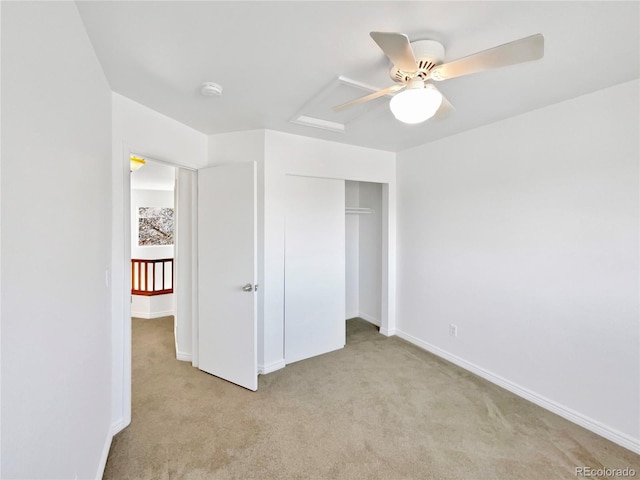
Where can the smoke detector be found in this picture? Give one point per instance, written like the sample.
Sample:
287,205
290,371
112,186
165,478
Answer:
210,89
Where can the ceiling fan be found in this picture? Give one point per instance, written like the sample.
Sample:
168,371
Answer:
414,63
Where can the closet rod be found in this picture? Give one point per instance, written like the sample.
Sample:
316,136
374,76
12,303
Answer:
358,211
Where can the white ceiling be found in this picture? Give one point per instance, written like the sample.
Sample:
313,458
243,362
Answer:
272,58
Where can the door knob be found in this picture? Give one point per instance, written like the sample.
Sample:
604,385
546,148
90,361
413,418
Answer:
247,288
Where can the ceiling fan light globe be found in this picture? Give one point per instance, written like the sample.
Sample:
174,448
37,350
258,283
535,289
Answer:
415,105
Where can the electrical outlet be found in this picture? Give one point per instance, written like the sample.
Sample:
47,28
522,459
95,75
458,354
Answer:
453,330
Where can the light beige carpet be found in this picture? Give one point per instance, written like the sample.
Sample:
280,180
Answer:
378,409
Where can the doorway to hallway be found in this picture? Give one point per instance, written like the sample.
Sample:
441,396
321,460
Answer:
152,218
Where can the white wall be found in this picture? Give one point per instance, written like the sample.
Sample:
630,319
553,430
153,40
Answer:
136,128
157,306
247,146
287,154
56,336
524,234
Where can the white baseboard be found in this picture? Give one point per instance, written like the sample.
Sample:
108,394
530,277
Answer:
150,315
105,455
184,357
118,426
390,332
369,318
615,436
271,367
363,316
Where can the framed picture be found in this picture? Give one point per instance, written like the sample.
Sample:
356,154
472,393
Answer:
155,226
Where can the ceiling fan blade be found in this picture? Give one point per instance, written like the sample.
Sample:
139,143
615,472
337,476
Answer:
371,96
445,109
519,51
396,46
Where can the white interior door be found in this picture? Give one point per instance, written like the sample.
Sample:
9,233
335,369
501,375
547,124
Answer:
314,267
227,320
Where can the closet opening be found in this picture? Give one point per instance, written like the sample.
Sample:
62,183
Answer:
363,254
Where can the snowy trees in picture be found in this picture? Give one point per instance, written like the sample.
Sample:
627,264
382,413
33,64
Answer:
155,226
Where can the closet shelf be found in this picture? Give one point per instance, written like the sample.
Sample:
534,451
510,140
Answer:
358,211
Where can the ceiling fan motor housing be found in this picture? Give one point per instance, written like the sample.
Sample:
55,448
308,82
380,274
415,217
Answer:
428,53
